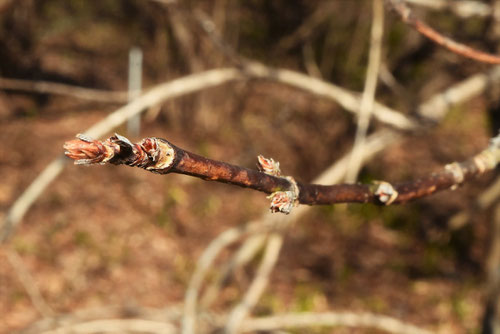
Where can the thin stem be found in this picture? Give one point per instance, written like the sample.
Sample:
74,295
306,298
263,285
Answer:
368,98
159,156
407,16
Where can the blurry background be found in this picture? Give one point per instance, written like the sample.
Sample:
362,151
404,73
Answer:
103,236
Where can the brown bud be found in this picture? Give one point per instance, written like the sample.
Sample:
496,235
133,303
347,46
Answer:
86,151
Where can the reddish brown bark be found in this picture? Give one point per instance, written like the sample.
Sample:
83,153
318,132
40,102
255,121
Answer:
407,16
160,156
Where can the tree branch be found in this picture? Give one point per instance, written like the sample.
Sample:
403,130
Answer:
160,156
407,16
462,8
46,87
349,319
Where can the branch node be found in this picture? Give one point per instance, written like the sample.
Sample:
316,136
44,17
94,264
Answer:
385,192
281,201
458,174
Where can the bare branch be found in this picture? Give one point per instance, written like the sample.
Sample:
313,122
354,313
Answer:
368,98
407,16
116,326
482,202
205,262
258,285
45,87
462,8
101,318
29,283
330,319
159,156
322,13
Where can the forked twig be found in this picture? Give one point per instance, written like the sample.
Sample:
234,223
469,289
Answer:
240,257
203,265
407,16
258,285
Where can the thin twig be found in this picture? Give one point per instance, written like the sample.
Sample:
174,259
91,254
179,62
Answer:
407,16
436,107
45,87
56,323
306,29
330,319
368,97
29,196
310,63
204,264
117,326
491,320
242,256
159,156
29,283
349,100
258,285
486,199
462,8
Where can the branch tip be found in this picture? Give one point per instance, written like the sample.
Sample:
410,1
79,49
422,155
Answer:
87,151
